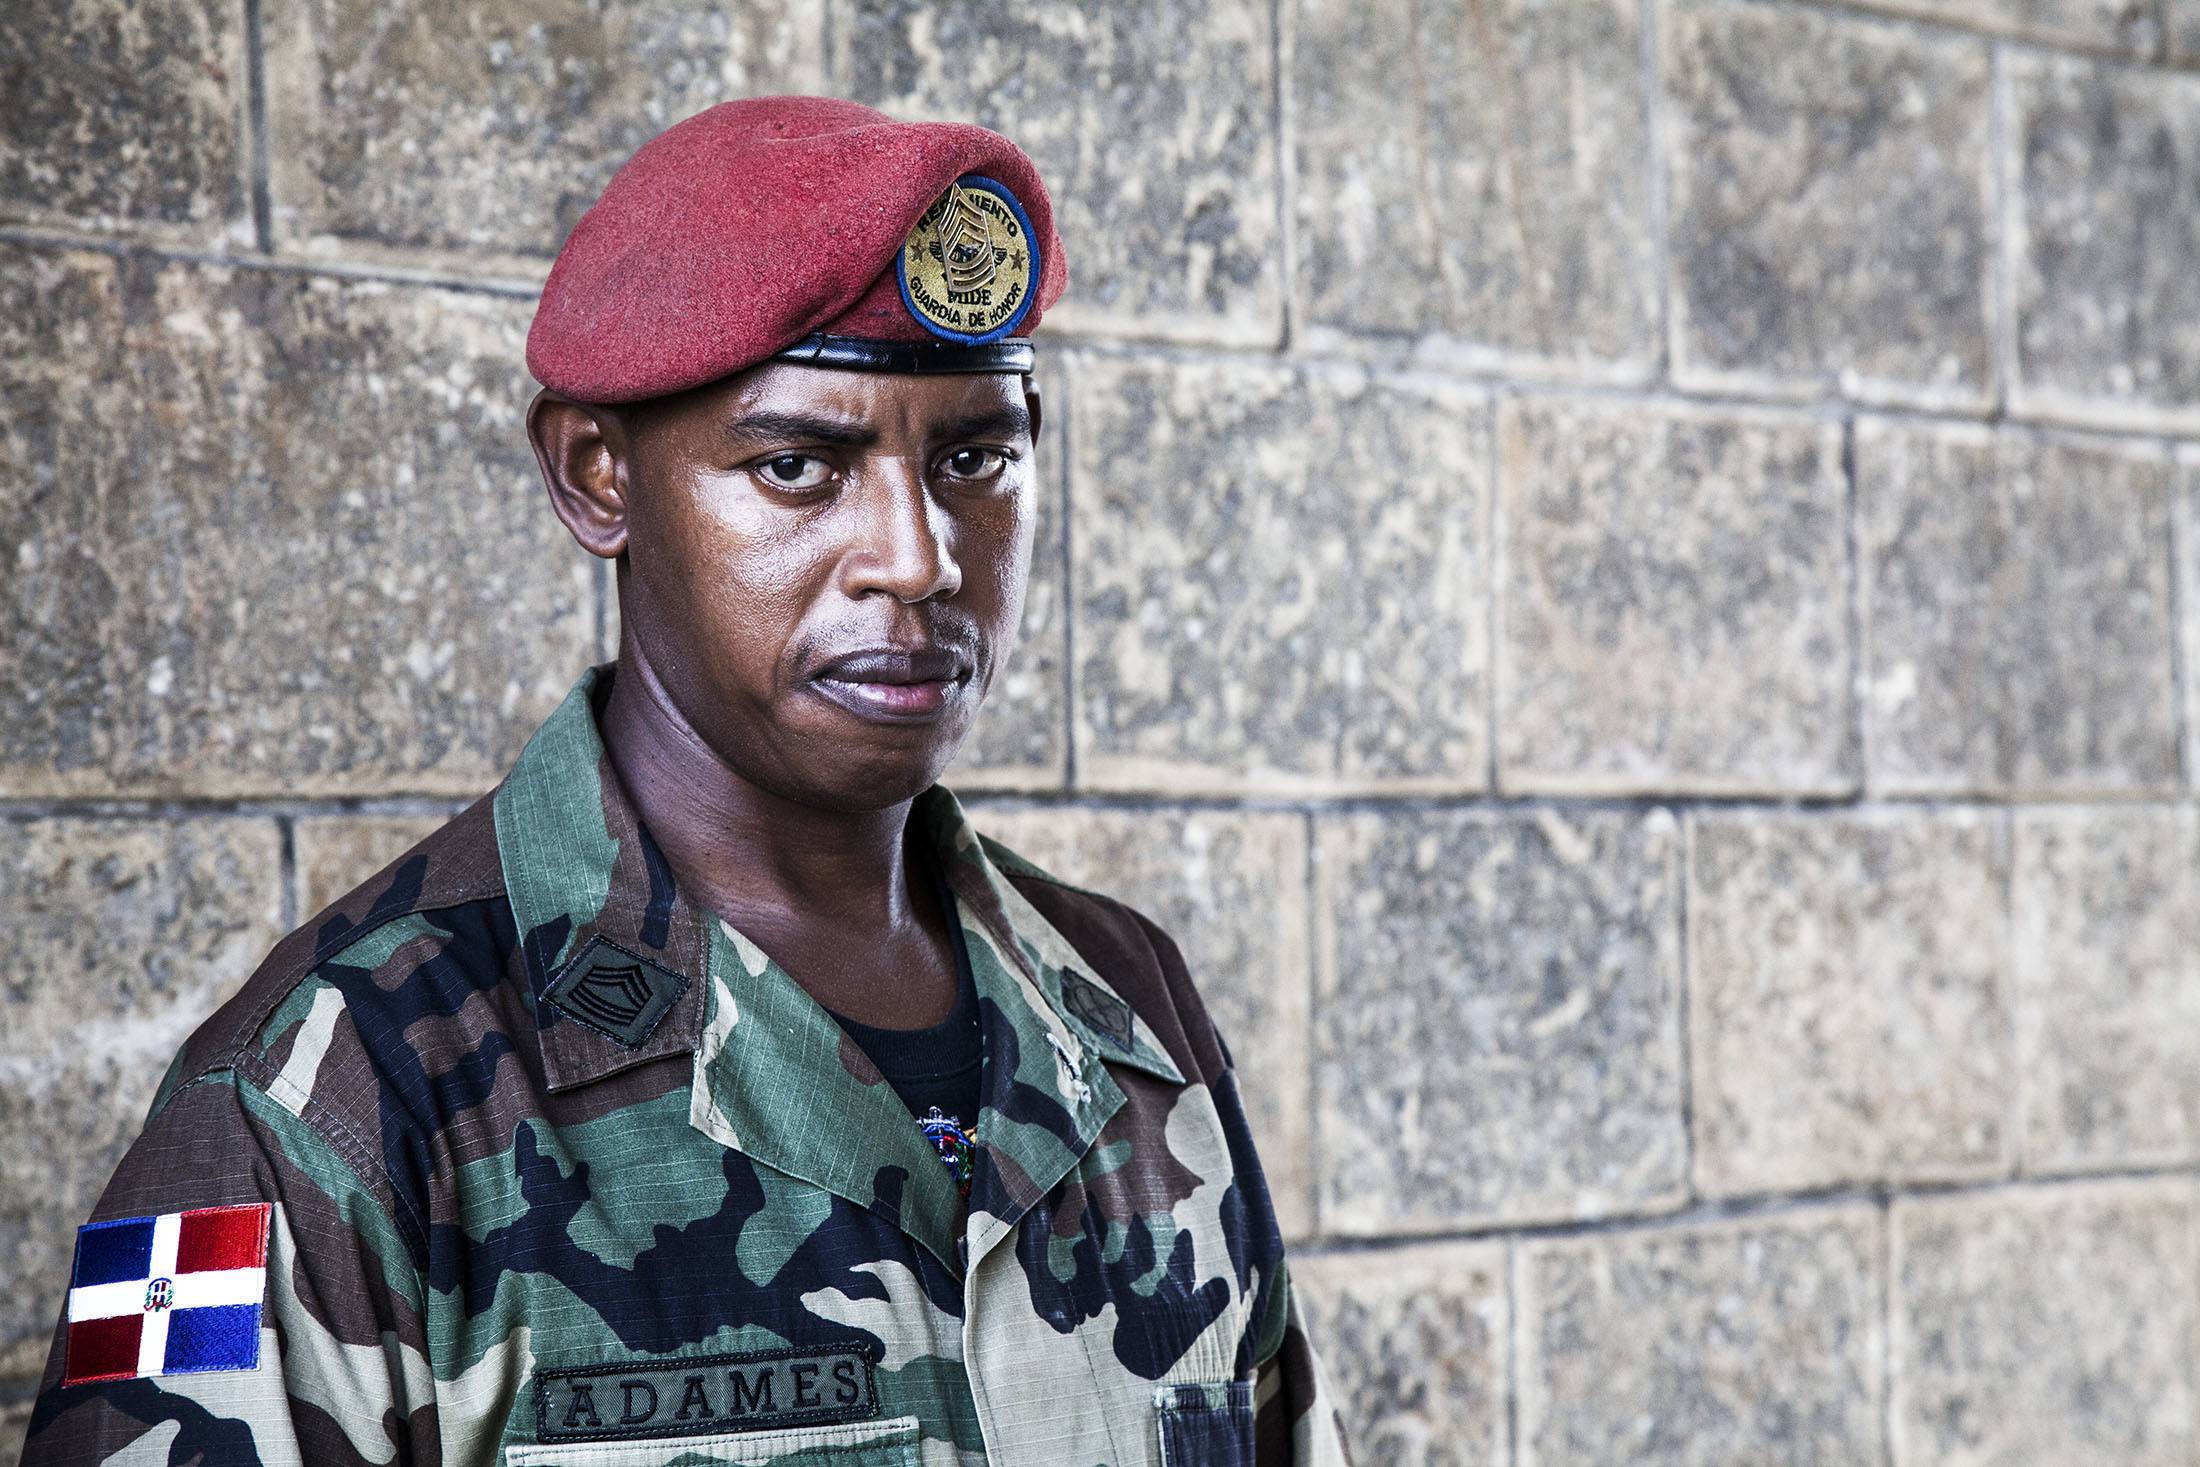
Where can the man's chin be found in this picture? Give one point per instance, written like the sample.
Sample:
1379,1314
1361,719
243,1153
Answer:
873,788
854,765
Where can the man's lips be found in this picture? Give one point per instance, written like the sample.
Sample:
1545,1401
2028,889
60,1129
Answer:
895,665
893,684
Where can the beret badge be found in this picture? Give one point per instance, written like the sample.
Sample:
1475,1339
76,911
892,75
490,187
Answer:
969,268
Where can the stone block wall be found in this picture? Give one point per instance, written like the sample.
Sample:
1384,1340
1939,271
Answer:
1623,573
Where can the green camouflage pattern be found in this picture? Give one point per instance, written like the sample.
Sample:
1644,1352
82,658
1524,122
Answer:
503,1233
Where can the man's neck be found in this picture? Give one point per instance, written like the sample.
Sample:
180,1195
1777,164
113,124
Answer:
772,867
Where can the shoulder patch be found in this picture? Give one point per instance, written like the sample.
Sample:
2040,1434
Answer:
1096,1006
168,1295
615,992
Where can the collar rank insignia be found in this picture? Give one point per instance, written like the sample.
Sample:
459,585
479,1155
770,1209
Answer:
1107,1014
615,992
167,1295
969,267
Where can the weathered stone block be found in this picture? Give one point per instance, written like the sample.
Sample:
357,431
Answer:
122,936
2016,590
1021,738
1498,1037
1829,201
1417,1341
1153,124
1674,608
1847,1014
606,644
284,535
1710,1346
1231,888
2185,530
334,853
126,115
1453,187
2039,1329
1278,578
2182,20
15,1422
2104,162
2107,984
2133,26
487,127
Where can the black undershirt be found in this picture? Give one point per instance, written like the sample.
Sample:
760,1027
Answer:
939,1067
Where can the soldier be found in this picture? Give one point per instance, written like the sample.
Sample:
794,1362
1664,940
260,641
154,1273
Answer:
710,1091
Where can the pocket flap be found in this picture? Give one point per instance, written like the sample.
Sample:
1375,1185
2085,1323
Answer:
888,1443
1206,1425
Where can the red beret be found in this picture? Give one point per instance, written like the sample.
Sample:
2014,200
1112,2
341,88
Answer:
804,226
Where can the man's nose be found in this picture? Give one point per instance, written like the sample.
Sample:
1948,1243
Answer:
904,540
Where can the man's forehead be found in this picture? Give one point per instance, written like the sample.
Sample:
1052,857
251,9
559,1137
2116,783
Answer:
881,400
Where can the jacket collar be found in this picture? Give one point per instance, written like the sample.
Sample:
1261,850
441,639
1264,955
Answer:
595,905
624,969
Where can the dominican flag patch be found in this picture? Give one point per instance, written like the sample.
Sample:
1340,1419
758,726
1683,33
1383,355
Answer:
168,1294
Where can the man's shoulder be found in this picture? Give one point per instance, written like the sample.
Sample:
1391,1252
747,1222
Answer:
449,884
1128,951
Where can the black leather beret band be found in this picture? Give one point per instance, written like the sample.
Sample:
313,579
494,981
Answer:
863,354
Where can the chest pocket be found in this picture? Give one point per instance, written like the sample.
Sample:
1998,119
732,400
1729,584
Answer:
1206,1425
888,1443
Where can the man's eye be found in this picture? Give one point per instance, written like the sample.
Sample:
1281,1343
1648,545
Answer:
794,471
974,463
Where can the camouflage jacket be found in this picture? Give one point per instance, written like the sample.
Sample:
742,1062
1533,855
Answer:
546,1165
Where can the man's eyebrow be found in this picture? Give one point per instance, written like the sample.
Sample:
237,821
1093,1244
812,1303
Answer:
774,427
1007,421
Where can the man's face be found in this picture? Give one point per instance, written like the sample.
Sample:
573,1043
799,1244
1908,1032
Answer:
824,569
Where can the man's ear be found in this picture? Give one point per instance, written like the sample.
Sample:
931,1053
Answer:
1031,406
582,453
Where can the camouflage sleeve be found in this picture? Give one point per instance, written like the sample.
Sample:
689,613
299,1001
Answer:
329,1362
1296,1421
1295,1408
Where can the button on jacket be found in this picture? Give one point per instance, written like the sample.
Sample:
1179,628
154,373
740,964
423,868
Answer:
563,1169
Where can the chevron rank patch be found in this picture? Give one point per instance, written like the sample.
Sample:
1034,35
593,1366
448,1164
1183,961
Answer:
615,992
1096,1006
167,1295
